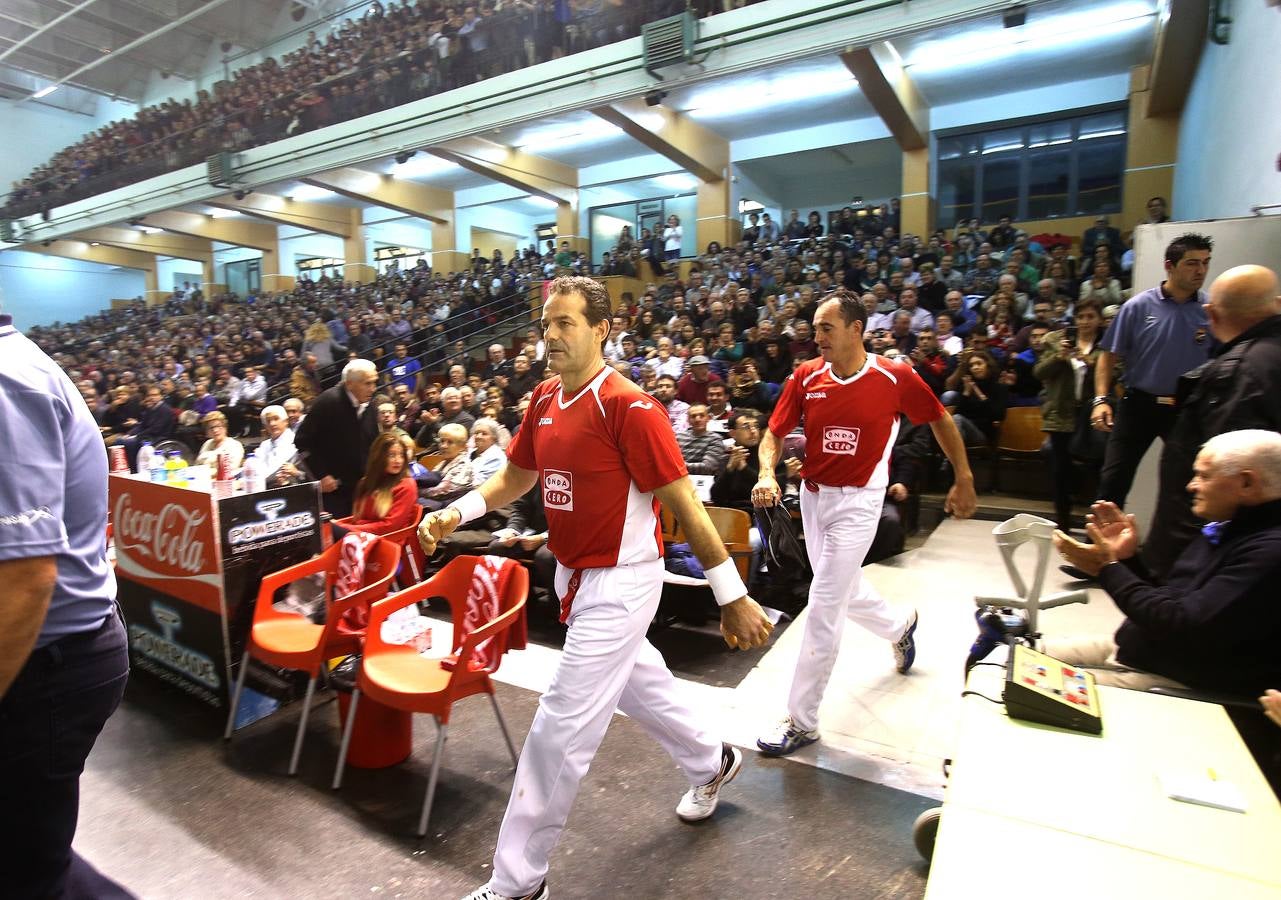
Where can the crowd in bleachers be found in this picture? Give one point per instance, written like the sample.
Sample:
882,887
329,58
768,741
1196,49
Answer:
982,315
393,54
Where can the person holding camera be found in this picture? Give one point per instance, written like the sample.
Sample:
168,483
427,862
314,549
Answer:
1065,368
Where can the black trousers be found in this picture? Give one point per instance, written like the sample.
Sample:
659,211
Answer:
1137,421
49,721
1061,474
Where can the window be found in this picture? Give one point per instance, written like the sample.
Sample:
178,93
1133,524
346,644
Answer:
1038,170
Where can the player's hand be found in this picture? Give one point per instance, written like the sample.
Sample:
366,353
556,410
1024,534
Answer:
794,464
437,526
897,492
961,500
744,624
766,492
1101,417
1272,705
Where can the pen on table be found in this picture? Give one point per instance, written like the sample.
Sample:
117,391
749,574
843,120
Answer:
1214,776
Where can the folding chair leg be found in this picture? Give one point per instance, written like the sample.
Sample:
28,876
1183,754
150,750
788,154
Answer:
502,724
412,563
431,782
235,697
346,739
302,726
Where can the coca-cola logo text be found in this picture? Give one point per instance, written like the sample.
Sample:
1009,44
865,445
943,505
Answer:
168,536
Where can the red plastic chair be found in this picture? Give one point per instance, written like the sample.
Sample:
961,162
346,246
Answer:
292,641
398,676
406,538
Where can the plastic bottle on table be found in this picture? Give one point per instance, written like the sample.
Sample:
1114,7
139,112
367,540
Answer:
146,453
252,474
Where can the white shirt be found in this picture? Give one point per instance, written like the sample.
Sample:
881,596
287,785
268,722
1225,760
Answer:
273,454
249,391
672,366
487,464
672,235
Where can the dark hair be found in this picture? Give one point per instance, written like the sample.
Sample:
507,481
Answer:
597,307
1185,242
752,414
670,378
852,309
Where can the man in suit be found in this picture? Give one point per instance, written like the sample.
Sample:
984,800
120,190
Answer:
337,433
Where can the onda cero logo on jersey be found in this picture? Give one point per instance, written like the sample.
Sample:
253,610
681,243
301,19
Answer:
838,439
558,489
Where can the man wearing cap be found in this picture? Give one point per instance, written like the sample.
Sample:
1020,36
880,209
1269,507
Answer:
1160,334
692,387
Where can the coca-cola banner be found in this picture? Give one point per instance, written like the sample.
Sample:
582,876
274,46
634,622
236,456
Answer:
165,539
169,578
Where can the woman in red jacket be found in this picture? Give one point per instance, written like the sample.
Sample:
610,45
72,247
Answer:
386,498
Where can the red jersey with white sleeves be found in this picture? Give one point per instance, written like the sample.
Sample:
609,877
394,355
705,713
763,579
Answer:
599,455
851,423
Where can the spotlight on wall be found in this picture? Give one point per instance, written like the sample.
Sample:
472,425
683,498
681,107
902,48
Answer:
1014,16
240,195
402,158
653,98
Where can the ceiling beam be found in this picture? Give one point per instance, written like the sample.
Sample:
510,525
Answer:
121,51
162,243
515,168
46,27
319,217
86,251
237,232
400,194
1178,48
102,92
888,87
678,137
84,39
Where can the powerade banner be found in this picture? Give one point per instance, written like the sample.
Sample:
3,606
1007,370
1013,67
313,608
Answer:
259,534
169,583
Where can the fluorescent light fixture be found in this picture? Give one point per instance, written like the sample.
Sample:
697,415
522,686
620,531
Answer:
44,92
1098,134
224,213
311,192
147,229
422,165
574,134
1002,148
769,90
541,201
1035,144
992,42
679,181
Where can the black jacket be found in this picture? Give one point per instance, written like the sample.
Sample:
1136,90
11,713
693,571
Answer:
1216,624
1240,388
336,442
734,489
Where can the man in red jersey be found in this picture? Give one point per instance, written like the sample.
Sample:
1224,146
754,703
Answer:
850,402
606,455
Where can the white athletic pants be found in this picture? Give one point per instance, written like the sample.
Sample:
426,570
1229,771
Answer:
607,664
840,524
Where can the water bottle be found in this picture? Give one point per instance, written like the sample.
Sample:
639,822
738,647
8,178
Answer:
251,475
173,464
157,470
146,453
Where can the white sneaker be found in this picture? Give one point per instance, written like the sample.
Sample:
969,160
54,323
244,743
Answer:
487,893
700,802
786,738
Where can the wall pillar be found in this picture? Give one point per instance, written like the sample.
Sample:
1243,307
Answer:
1151,151
718,218
357,267
916,202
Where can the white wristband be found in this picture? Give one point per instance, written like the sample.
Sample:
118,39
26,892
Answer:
725,582
470,505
